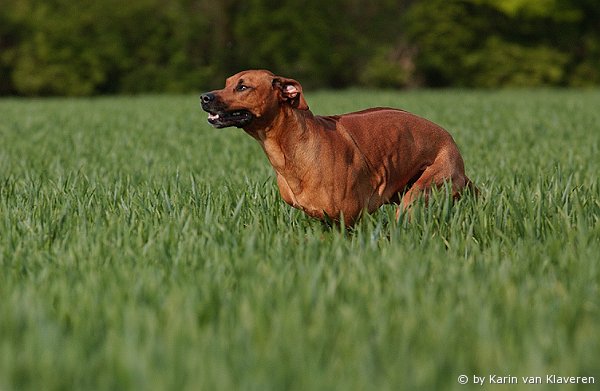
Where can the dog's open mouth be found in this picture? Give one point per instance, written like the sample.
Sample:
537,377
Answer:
224,119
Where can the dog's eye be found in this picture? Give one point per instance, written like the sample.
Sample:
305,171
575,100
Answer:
241,87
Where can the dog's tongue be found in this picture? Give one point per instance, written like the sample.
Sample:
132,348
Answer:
213,117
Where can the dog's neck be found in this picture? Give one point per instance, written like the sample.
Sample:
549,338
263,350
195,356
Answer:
288,147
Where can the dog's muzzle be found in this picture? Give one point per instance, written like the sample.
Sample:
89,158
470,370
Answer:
220,117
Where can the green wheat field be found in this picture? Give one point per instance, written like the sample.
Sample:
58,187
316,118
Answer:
141,249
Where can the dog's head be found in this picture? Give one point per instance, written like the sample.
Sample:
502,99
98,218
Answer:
250,97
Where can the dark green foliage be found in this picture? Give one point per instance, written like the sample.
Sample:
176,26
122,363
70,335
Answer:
495,43
62,47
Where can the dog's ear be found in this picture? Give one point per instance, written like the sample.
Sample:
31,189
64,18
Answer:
290,91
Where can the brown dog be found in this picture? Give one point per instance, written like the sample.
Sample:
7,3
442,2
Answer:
337,166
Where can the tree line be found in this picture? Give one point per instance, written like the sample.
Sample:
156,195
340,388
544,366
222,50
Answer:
64,47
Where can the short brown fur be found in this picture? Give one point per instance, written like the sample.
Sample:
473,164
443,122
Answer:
339,166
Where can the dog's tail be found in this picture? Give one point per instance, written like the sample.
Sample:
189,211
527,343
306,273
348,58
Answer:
470,186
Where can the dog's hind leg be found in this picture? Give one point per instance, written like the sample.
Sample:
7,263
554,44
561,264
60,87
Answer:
447,168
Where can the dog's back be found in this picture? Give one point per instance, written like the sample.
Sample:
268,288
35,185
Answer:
399,146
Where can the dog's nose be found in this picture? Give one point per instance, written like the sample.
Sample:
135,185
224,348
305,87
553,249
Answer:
207,98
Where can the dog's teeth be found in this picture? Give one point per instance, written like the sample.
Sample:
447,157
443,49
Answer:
213,116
